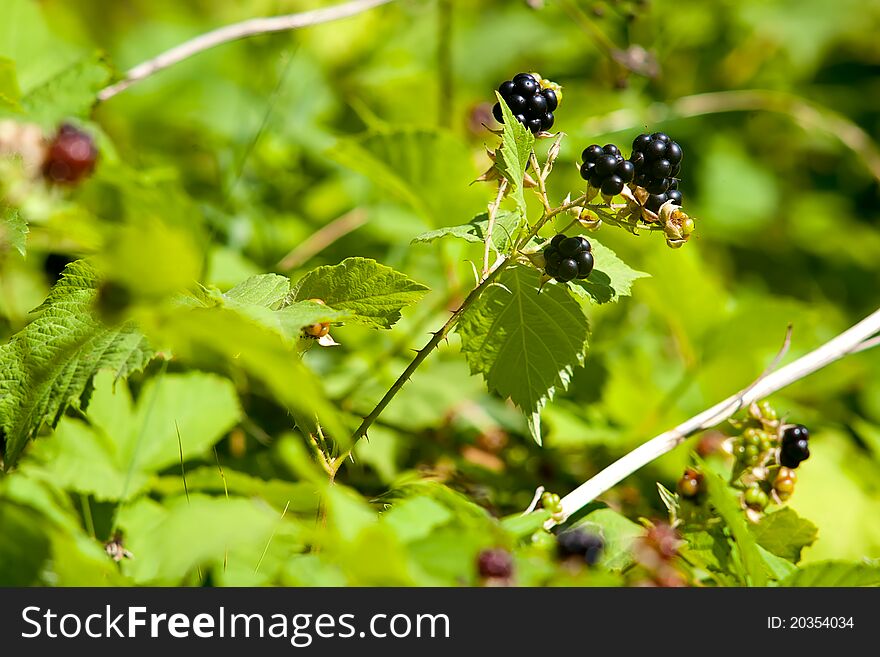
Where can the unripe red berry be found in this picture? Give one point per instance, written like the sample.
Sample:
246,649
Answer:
71,156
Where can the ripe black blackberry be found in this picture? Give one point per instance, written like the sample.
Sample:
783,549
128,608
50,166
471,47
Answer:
605,169
795,446
567,258
580,543
531,105
657,162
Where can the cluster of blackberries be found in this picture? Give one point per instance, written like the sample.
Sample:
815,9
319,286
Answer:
71,156
795,446
605,169
657,162
580,544
567,258
531,105
654,165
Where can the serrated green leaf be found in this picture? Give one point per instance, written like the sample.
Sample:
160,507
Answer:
13,230
524,342
710,550
836,574
268,290
430,170
69,94
48,365
516,146
728,508
618,532
610,279
114,455
507,224
373,294
785,533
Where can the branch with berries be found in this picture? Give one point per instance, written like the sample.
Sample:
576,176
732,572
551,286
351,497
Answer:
792,442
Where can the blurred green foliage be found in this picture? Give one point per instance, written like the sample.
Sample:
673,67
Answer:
221,168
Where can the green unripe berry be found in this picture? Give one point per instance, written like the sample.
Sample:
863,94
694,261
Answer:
751,453
752,437
755,498
739,450
550,501
767,410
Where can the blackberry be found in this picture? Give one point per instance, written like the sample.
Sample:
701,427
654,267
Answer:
567,258
656,161
531,105
795,446
580,543
605,169
71,156
495,563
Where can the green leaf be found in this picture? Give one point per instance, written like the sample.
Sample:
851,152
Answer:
520,526
114,455
415,518
429,170
785,533
777,567
524,342
611,278
506,226
728,508
372,293
618,532
10,94
71,93
13,230
268,290
836,574
201,335
24,546
710,550
48,365
169,541
516,146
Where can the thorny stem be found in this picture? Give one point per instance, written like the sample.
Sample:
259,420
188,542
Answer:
492,211
855,339
422,354
234,32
